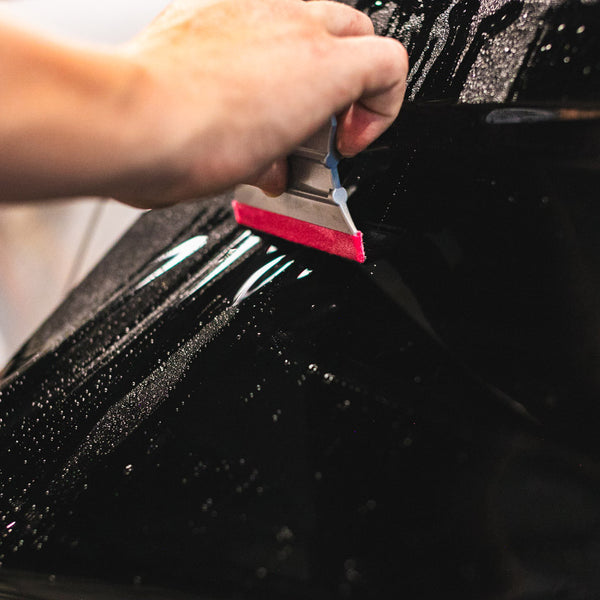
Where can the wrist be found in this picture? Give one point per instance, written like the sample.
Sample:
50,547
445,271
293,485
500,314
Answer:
159,136
76,121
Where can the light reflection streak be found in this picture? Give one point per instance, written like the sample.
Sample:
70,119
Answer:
245,242
304,274
247,288
174,257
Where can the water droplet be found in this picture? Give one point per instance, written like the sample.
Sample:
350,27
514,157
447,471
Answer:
284,534
261,572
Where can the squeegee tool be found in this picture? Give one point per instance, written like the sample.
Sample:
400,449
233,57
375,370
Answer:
313,211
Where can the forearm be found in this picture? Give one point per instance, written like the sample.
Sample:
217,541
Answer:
71,120
210,95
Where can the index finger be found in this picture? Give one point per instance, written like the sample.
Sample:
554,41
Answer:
380,66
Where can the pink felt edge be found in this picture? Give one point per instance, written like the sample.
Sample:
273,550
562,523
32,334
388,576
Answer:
301,232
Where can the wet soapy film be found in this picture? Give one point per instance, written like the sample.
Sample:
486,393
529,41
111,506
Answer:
258,438
488,51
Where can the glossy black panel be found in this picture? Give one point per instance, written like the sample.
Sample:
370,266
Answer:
215,413
482,51
490,216
308,440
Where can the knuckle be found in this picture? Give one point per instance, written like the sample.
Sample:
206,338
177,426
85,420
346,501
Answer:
322,45
396,57
402,55
365,22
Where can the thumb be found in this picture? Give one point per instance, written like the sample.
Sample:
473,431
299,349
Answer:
273,180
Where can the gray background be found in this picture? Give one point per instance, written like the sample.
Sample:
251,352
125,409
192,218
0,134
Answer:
47,247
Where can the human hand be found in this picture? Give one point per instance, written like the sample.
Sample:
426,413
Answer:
233,86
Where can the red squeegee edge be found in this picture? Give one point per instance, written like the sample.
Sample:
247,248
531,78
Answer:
300,232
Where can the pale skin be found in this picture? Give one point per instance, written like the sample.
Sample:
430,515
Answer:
213,93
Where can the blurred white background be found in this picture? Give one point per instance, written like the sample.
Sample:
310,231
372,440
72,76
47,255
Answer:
47,248
107,21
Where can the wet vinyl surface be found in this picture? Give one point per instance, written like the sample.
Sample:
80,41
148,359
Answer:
215,413
265,420
486,51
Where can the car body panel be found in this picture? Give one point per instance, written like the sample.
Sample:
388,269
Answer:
218,413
